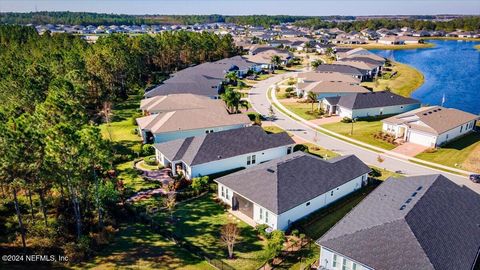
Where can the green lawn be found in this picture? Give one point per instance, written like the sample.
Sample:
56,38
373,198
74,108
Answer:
136,247
320,151
385,173
199,222
121,126
463,153
362,131
304,110
273,129
318,223
405,82
132,180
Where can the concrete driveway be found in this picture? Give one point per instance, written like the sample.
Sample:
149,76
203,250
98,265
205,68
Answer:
258,99
409,149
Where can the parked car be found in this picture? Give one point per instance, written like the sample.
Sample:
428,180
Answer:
475,178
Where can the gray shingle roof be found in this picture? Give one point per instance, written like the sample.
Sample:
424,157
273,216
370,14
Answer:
339,68
282,184
202,79
420,222
374,100
222,145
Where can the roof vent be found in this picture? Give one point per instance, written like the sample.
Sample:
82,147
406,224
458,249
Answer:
219,157
270,171
409,200
403,207
419,188
414,194
425,114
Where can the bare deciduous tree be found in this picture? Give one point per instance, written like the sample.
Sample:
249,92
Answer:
229,235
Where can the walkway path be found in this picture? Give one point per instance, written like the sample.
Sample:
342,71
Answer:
303,129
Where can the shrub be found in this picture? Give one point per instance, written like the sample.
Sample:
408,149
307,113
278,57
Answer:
431,150
151,160
289,89
260,228
375,173
199,184
275,243
346,120
295,232
147,150
300,147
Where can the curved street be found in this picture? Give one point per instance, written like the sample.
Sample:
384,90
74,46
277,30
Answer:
260,102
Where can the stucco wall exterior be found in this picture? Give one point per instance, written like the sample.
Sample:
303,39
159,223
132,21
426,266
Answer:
377,111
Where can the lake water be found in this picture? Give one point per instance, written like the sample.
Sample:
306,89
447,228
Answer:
451,68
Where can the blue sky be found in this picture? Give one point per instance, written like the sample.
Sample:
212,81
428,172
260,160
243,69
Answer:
245,7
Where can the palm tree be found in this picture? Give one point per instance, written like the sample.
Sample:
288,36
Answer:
312,98
231,77
243,104
276,61
232,100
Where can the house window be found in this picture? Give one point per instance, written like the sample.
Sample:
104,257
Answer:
334,263
253,159
461,128
354,266
344,264
223,192
289,150
308,203
228,196
249,160
261,213
331,193
266,216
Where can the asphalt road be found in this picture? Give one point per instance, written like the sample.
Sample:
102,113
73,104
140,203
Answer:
260,102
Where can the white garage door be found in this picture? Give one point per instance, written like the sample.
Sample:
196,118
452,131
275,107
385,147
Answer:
421,139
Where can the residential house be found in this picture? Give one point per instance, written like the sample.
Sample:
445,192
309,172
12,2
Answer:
222,151
205,79
421,222
358,53
372,104
430,126
181,116
369,68
284,190
332,89
398,40
344,69
307,79
262,56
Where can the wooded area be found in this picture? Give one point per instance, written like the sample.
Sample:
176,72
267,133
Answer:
58,187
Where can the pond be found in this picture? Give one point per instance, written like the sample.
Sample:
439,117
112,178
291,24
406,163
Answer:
451,68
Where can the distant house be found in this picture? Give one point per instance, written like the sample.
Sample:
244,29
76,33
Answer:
430,126
420,222
281,191
314,81
372,104
398,40
185,115
344,69
222,151
359,53
333,88
262,56
369,68
205,79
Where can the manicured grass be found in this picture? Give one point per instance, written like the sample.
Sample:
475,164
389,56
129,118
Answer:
199,222
137,247
304,110
272,129
463,153
320,151
385,173
405,82
319,222
121,126
377,46
362,131
132,180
